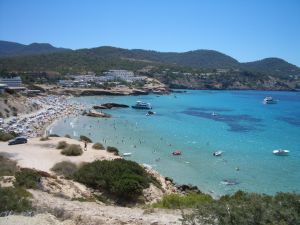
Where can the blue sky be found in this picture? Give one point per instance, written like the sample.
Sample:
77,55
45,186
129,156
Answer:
244,29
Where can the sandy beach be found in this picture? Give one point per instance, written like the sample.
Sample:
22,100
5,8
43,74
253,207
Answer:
42,155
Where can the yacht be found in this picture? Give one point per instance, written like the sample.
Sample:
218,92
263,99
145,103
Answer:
142,105
269,100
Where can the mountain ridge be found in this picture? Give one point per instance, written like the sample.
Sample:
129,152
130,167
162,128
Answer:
12,49
35,53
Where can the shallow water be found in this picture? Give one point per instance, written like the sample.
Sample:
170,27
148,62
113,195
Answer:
199,123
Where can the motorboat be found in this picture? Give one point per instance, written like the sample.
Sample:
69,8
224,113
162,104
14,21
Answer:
177,152
217,153
281,152
269,100
142,105
214,114
127,154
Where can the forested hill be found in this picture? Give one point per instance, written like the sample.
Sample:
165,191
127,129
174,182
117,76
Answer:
9,49
103,58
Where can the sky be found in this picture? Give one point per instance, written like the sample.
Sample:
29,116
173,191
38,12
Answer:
247,30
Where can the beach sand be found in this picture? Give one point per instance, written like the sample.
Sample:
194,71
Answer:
42,155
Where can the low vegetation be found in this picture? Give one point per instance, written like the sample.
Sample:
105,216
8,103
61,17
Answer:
14,199
123,179
98,146
176,201
7,167
5,136
65,168
67,136
44,138
54,135
248,208
62,145
85,138
112,150
72,150
27,178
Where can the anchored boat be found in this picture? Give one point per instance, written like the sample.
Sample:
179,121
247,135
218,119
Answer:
281,152
142,105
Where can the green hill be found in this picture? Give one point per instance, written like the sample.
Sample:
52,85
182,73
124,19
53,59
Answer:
10,49
45,57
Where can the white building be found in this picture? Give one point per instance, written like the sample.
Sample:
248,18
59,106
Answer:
12,82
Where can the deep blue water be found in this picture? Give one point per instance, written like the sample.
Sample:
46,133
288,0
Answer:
244,128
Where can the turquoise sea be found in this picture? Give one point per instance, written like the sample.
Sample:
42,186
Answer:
244,128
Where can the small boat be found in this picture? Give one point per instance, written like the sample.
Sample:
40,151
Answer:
142,105
150,113
281,152
230,182
217,153
214,114
127,154
269,100
177,152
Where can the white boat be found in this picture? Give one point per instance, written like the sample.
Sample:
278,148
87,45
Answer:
127,154
269,100
214,114
281,152
142,105
217,153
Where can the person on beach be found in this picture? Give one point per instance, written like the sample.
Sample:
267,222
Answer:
85,145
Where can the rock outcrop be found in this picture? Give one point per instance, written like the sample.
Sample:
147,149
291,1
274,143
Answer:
110,106
94,113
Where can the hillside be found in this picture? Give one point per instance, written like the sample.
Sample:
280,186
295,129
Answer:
106,57
273,66
10,49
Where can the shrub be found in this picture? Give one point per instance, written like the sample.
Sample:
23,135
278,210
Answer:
67,136
7,167
98,146
27,178
72,150
120,178
14,199
85,138
248,208
112,150
65,168
44,138
4,136
54,135
61,145
176,201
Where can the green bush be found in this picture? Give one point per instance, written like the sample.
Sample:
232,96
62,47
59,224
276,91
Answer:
85,138
44,138
120,178
72,150
248,208
54,135
112,150
98,146
27,178
67,136
4,136
61,145
176,201
7,167
65,168
14,199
